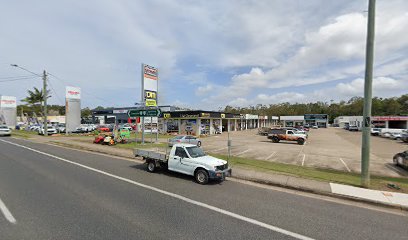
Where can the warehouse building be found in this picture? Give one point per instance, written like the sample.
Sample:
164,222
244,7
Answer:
392,122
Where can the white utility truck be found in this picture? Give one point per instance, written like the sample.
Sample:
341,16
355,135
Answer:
187,159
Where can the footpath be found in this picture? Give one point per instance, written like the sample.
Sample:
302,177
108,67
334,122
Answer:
383,198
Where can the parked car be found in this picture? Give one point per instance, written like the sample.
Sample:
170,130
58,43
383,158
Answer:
404,137
385,134
5,131
375,131
401,159
263,131
185,139
102,128
396,136
353,128
50,130
61,128
315,127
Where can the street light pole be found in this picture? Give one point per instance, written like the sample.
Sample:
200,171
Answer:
365,148
45,102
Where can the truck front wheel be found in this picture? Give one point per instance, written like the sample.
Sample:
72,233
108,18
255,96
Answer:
301,141
275,139
151,166
201,176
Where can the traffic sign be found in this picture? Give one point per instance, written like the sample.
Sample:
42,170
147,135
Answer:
144,113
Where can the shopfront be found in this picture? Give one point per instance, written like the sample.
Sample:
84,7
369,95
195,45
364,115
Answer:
199,122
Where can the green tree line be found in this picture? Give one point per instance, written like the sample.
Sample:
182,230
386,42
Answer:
352,107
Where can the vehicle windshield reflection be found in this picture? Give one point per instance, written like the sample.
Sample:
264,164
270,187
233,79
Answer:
195,152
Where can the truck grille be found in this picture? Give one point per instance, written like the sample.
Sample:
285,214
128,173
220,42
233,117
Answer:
222,167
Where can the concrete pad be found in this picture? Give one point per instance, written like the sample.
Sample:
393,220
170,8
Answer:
373,195
308,184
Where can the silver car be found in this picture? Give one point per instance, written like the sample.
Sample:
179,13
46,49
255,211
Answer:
185,139
4,130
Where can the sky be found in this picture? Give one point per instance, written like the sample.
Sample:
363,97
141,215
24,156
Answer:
209,53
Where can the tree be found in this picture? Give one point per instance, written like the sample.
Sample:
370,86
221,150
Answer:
35,99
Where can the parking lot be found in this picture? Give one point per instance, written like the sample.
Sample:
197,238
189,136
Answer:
331,148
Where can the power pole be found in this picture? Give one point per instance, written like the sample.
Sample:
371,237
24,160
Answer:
368,82
45,102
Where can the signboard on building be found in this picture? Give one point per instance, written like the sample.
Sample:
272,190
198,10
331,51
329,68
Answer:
72,108
8,111
390,118
315,116
150,85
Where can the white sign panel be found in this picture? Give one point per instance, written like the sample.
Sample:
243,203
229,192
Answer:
73,93
8,102
149,85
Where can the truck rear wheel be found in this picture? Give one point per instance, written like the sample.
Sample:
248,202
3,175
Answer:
275,139
151,166
301,141
201,176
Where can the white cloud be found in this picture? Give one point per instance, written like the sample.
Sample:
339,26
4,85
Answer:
204,90
381,85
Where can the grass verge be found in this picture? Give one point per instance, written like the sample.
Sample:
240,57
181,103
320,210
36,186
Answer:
23,134
327,175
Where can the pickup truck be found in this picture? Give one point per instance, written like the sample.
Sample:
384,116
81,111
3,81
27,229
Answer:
187,159
277,135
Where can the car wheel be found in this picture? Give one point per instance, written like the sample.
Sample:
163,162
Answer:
399,160
275,139
301,141
199,144
151,166
201,176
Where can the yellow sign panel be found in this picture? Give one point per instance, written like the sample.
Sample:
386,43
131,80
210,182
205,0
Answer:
166,115
151,103
222,115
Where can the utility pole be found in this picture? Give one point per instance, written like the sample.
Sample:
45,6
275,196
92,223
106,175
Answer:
368,82
45,102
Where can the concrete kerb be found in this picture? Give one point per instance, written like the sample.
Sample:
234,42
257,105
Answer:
281,180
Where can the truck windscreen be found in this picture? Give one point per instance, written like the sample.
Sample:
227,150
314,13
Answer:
195,152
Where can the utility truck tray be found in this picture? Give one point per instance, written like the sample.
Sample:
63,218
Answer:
155,155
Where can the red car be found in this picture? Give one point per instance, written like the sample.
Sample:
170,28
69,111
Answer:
103,129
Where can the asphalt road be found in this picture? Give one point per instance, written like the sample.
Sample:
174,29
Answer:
58,193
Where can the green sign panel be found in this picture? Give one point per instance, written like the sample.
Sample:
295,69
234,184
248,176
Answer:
144,113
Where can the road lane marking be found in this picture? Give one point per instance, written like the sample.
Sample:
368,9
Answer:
7,214
344,163
270,156
185,199
303,159
242,152
217,150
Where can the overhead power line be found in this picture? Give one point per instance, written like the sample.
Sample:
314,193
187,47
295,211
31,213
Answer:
85,92
19,79
55,92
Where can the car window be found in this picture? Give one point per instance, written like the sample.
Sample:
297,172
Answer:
180,152
290,132
195,152
178,137
3,127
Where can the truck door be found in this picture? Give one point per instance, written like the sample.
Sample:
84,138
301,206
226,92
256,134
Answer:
179,161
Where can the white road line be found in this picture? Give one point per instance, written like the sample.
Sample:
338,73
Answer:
242,152
217,150
194,202
270,156
344,163
303,159
7,214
